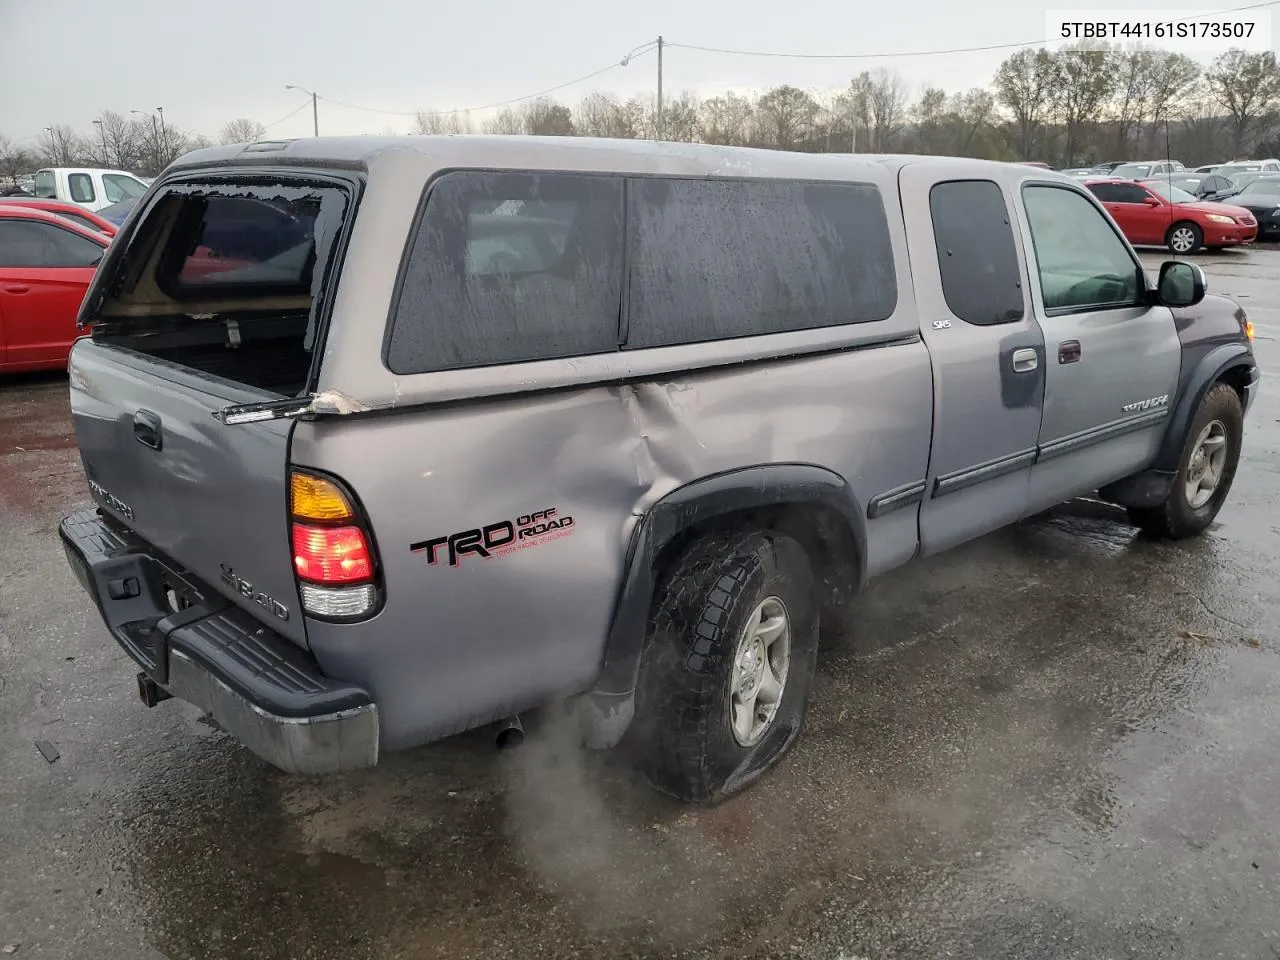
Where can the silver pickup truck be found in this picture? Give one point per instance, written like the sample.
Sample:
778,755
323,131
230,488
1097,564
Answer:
395,438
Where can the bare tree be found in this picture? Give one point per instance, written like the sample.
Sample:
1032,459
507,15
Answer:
969,116
1134,74
602,115
1248,86
123,140
62,146
545,117
14,160
427,122
1174,80
1085,80
930,116
727,119
887,98
1024,86
852,119
785,115
681,118
242,130
1200,127
505,121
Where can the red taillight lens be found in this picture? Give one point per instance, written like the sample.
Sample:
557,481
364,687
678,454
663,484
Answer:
335,555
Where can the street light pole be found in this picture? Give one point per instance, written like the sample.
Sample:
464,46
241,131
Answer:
315,110
106,157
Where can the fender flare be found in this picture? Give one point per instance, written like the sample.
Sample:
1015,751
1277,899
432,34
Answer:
1208,371
761,486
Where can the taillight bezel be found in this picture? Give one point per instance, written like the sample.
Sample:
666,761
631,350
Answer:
359,520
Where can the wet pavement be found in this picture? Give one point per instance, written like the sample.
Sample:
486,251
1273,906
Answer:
1059,741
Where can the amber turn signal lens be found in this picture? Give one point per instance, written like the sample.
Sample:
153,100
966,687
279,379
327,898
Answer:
1248,330
314,498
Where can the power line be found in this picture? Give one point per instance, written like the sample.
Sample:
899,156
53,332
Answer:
291,113
927,53
635,54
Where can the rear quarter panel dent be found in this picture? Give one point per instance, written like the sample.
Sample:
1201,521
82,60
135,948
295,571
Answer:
458,647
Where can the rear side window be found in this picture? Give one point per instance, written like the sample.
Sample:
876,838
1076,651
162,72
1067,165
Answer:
977,257
119,188
81,187
81,220
722,259
27,243
510,267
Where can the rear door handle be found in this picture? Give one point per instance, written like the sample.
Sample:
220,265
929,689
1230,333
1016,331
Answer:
1025,360
146,429
1069,351
16,288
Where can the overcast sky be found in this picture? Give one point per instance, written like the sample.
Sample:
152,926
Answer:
207,63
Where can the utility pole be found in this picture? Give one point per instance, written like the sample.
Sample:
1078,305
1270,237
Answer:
155,142
660,124
315,110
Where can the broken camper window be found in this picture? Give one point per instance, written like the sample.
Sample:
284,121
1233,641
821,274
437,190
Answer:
227,278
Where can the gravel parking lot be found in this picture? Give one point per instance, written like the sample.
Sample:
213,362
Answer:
1058,741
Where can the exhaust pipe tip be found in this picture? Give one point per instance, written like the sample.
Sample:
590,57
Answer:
510,734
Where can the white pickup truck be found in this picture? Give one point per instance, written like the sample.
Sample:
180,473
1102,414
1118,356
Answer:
89,187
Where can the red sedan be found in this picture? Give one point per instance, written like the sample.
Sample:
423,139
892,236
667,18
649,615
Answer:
1155,213
46,264
68,211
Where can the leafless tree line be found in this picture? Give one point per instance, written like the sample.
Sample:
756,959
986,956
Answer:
1069,106
146,145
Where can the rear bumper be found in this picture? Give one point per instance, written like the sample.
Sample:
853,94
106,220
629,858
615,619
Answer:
261,688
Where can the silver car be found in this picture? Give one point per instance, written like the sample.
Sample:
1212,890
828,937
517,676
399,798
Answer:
395,438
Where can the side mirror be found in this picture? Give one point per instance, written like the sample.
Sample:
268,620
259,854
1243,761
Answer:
1181,284
1151,202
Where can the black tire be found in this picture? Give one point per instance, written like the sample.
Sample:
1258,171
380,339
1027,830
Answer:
1176,518
682,734
1177,230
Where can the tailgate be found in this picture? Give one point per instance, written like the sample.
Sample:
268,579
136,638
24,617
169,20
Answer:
211,297
210,496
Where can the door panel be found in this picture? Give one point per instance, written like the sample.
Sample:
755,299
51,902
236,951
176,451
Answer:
40,306
1113,362
987,349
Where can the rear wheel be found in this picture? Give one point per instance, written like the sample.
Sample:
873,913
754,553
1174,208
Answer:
1184,238
1205,472
729,663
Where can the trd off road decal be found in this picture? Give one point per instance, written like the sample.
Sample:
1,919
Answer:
497,539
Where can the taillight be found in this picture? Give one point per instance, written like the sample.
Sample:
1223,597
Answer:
333,553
